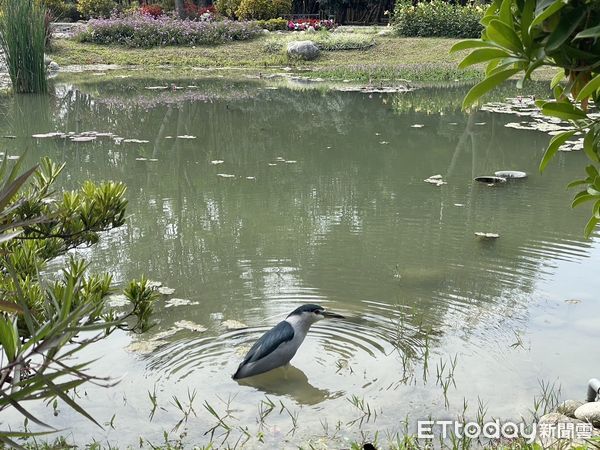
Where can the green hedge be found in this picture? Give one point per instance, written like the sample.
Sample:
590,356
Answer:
438,19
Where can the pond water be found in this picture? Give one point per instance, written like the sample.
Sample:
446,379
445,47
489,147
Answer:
327,205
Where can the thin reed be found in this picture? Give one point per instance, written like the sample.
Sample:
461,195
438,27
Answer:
23,40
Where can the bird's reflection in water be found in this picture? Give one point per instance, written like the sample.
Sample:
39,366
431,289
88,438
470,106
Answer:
291,382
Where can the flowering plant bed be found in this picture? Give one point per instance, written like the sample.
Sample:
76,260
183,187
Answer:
316,24
146,31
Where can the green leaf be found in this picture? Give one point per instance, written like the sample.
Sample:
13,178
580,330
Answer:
526,19
470,43
593,32
554,7
12,189
487,85
482,55
504,35
592,86
582,197
589,146
505,12
563,110
553,146
564,29
576,183
589,228
560,75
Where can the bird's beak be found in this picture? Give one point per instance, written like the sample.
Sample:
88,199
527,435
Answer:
330,315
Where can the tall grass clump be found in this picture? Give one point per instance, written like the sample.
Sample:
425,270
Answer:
23,40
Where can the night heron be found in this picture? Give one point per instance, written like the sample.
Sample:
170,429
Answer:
278,346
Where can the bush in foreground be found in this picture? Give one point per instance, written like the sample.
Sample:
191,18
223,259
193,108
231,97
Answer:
145,31
437,19
263,9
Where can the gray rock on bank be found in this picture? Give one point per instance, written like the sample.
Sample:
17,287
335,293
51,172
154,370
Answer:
589,412
568,407
306,50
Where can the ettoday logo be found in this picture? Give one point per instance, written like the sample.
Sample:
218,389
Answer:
494,430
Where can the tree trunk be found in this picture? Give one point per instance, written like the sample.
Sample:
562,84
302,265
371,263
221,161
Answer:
179,7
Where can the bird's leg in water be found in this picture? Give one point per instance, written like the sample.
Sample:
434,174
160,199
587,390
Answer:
286,369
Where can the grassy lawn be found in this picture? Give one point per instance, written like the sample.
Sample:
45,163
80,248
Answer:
391,58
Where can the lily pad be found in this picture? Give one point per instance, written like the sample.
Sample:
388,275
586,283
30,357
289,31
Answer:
153,284
234,324
136,141
510,174
188,325
144,347
83,138
572,301
164,334
47,135
117,300
164,290
179,302
481,234
490,179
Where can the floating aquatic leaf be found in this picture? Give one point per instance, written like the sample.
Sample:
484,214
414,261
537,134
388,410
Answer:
153,284
250,178
272,164
216,162
573,301
459,204
156,88
291,161
487,235
490,179
141,159
188,325
417,125
509,174
179,302
117,300
225,175
234,324
83,138
47,135
144,347
185,136
384,142
164,290
164,334
136,141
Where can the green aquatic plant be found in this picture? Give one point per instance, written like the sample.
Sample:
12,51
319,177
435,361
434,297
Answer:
23,41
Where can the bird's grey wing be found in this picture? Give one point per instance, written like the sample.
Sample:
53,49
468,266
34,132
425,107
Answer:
269,341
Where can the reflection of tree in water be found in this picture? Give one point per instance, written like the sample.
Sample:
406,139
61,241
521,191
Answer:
340,223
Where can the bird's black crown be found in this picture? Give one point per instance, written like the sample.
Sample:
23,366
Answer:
306,308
